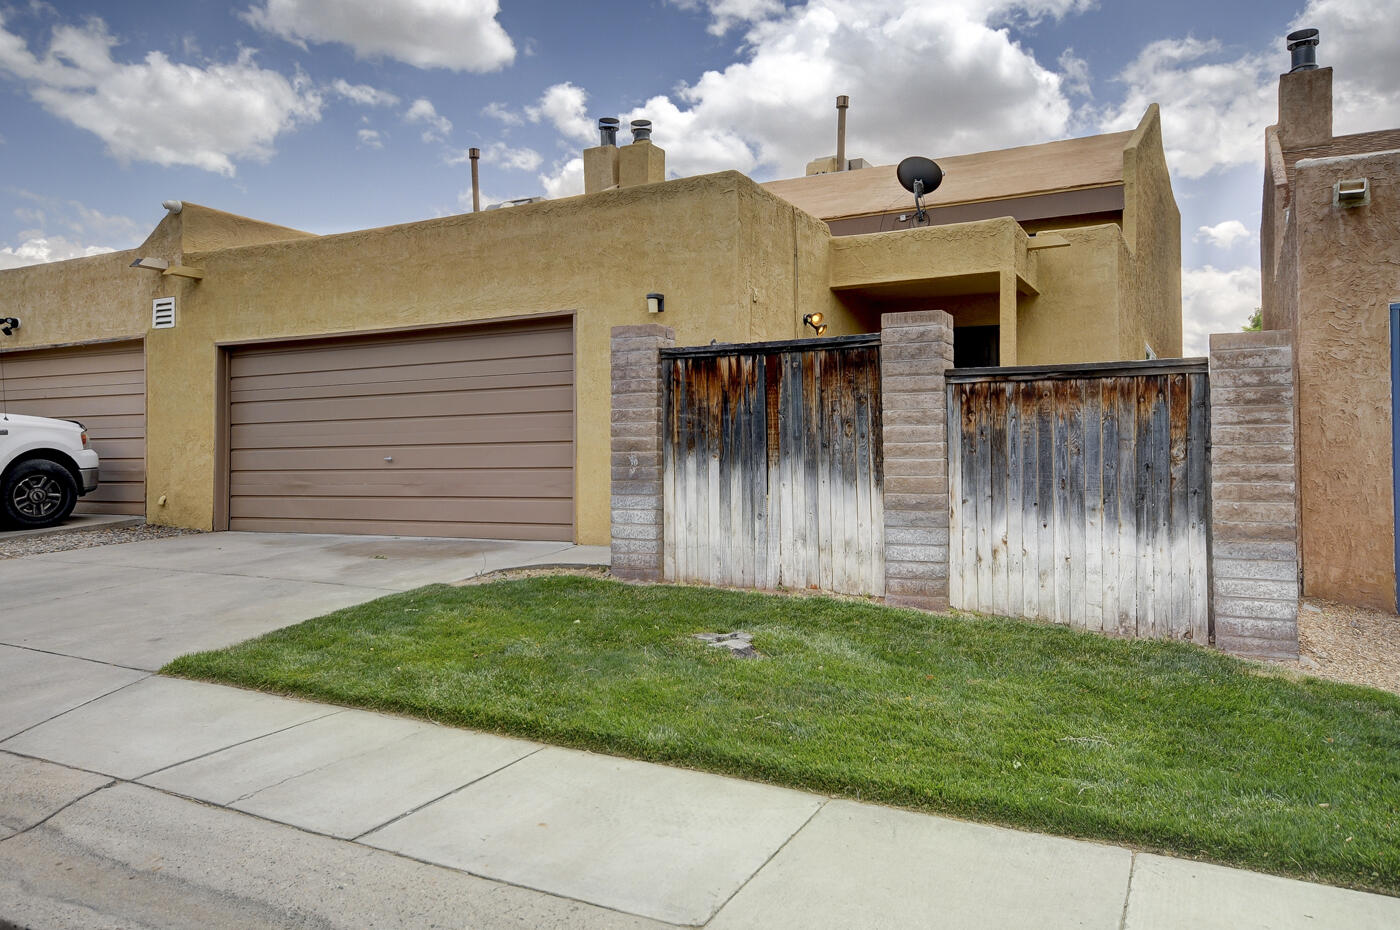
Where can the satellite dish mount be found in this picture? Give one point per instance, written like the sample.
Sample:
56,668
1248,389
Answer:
920,176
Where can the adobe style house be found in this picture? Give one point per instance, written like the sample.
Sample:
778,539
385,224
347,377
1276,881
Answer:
1330,262
451,377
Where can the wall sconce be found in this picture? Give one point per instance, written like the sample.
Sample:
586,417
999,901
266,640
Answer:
656,303
814,320
8,325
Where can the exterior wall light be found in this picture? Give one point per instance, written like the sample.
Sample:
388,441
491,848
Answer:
656,303
8,325
1353,192
814,320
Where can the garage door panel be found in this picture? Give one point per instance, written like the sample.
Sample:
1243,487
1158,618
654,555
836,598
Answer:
403,482
478,424
487,385
422,509
102,387
526,531
423,349
377,407
493,455
409,431
417,372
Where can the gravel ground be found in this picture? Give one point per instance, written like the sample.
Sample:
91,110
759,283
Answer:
1351,644
85,539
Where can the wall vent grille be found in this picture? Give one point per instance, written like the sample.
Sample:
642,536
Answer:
163,313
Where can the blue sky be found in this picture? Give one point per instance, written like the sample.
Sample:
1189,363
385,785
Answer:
331,115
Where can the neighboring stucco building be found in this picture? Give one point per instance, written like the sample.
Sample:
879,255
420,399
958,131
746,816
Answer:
451,376
1330,262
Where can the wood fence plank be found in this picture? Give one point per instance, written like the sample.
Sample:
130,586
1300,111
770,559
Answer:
1108,405
1198,480
983,502
1015,508
1045,495
1075,508
1178,554
1092,417
1030,510
996,497
1128,508
957,497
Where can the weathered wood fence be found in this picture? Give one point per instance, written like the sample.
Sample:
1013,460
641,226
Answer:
772,466
1081,494
1150,499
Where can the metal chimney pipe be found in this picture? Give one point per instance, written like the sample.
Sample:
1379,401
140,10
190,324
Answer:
842,103
641,130
1303,45
475,156
607,130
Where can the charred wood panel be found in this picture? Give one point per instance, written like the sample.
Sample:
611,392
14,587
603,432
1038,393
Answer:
773,468
1082,497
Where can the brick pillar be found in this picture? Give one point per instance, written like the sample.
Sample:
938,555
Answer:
636,450
1254,495
915,351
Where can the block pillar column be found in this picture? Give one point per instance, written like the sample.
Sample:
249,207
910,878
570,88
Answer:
636,450
916,350
1007,334
1254,494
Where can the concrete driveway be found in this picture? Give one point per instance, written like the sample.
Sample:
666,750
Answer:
77,625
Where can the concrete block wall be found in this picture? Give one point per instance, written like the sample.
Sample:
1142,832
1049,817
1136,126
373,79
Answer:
1254,494
636,450
916,350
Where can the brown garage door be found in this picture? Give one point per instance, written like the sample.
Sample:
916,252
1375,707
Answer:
104,388
461,433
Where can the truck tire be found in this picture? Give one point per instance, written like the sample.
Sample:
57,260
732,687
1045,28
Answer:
37,493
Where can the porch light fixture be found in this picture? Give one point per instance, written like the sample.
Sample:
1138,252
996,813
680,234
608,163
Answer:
656,303
8,325
814,320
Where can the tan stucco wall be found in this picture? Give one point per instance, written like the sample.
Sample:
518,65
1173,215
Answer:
1348,275
1075,317
1152,236
735,263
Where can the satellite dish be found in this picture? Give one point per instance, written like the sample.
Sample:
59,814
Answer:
919,176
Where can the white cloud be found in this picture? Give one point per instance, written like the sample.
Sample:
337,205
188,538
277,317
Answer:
499,111
1357,41
370,138
1076,73
923,79
1215,300
515,159
1223,235
563,105
565,181
38,249
1215,103
460,35
364,94
160,111
423,111
726,14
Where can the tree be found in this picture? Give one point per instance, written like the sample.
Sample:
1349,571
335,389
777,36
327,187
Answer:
1255,322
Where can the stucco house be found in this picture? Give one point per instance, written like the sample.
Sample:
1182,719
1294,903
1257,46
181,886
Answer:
451,377
1330,262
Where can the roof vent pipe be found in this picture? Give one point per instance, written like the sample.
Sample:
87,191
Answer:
1303,45
641,130
607,130
842,103
172,206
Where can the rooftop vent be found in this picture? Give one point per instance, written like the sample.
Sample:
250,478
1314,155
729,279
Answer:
641,130
607,130
1303,45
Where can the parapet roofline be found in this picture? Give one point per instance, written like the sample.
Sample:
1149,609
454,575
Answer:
1048,167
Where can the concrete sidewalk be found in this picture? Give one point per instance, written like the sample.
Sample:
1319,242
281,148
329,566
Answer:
166,799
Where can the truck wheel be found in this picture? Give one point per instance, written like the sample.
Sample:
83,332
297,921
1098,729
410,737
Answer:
37,493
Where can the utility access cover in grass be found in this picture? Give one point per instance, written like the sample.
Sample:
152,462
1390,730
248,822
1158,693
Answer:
1161,744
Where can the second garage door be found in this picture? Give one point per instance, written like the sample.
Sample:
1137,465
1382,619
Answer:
464,433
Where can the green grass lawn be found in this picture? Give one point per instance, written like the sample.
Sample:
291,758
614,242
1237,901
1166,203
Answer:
1159,744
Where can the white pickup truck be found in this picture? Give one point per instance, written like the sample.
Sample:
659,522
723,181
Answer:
45,466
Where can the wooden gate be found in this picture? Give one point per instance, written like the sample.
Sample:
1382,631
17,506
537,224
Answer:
1081,495
772,466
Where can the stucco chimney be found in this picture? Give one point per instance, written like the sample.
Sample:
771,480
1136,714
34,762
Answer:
642,162
600,163
1304,96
